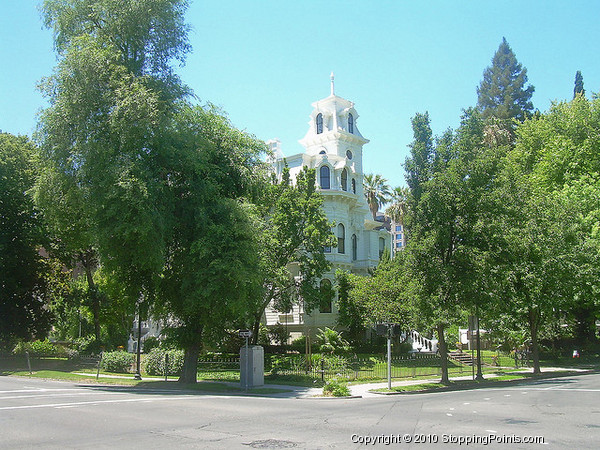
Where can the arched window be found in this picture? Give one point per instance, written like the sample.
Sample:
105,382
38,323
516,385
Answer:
353,186
344,180
341,232
354,248
327,294
319,123
350,123
381,247
324,176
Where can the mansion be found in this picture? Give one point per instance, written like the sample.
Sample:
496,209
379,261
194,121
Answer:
333,146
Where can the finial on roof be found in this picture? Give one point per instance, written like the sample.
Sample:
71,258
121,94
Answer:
332,87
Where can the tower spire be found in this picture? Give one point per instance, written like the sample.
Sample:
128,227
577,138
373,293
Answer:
332,85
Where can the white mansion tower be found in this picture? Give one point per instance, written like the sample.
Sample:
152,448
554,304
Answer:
334,147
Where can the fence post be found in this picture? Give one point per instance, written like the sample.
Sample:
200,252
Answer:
166,365
98,368
322,370
28,361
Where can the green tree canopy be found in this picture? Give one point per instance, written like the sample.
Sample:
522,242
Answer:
295,231
23,312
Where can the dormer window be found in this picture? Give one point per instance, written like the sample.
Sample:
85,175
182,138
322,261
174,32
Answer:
324,178
344,180
350,123
319,123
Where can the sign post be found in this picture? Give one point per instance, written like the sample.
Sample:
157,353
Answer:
389,357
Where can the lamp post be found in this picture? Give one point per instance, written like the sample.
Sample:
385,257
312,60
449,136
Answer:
138,375
479,376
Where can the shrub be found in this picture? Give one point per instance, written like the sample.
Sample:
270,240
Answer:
334,388
154,362
331,341
118,362
39,348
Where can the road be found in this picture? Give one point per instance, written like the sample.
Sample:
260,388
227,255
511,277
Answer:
47,414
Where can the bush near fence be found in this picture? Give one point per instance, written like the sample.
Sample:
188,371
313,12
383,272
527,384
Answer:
117,362
154,362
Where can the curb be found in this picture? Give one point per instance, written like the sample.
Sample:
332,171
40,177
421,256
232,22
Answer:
322,397
489,384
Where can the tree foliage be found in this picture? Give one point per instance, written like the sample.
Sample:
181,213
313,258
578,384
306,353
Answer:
503,93
23,312
447,222
578,88
377,192
295,231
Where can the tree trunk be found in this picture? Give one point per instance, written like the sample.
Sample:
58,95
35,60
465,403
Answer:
534,320
93,292
256,329
189,372
443,353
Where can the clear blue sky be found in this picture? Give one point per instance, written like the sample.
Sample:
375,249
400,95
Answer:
265,62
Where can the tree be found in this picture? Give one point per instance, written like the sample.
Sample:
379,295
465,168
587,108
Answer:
112,95
503,93
578,89
399,204
531,255
418,165
23,312
447,230
382,297
558,154
295,232
212,281
377,192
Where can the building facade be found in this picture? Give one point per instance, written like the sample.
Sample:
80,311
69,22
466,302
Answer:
334,148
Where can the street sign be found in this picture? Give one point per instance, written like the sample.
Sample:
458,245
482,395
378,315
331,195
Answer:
245,333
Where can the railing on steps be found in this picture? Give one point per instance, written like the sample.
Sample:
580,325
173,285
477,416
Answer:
423,344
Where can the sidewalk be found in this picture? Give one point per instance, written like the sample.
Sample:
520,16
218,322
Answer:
357,390
363,389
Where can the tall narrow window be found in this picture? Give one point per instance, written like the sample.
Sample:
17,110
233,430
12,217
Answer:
344,180
341,238
353,186
327,294
381,247
350,123
325,179
354,248
319,123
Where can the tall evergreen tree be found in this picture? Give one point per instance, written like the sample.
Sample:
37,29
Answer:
578,89
503,93
418,164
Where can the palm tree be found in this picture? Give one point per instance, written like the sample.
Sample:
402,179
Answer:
377,192
397,210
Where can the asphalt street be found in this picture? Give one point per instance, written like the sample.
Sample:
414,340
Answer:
562,412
